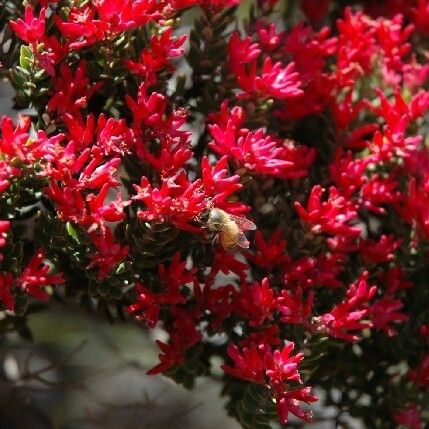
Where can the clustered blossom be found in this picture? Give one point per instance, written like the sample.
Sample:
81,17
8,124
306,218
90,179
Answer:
257,151
316,134
32,281
275,369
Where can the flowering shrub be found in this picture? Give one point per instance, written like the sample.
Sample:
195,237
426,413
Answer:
309,122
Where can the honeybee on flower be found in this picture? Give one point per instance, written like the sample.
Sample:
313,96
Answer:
229,228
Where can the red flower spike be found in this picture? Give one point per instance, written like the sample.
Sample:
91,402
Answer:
35,277
83,29
158,56
308,272
215,301
409,417
330,216
248,364
175,276
255,302
347,316
385,311
294,308
177,201
266,337
394,280
218,186
6,295
273,369
420,374
108,253
146,308
257,151
31,29
174,352
270,253
315,11
72,93
288,402
379,251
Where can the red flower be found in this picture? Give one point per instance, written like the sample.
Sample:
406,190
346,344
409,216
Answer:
274,81
31,29
13,140
379,251
177,201
424,331
275,370
255,302
409,417
110,135
148,304
6,295
162,49
227,263
218,186
308,272
385,311
256,150
241,52
265,337
108,253
171,355
146,308
310,52
270,253
174,352
378,191
277,81
175,276
72,93
288,402
347,316
420,16
269,39
35,277
347,173
217,302
315,11
356,47
329,216
420,374
294,308
82,29
394,280
4,228
7,172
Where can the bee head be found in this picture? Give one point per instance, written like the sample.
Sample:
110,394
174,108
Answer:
216,216
203,217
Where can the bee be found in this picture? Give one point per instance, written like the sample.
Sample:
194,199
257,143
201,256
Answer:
229,229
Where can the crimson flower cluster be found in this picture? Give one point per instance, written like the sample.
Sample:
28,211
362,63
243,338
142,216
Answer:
315,130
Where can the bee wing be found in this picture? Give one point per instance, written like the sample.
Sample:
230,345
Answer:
242,241
243,223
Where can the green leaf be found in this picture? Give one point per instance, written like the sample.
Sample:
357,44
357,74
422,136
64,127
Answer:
72,231
25,57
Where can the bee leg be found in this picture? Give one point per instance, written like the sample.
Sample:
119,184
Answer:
215,240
